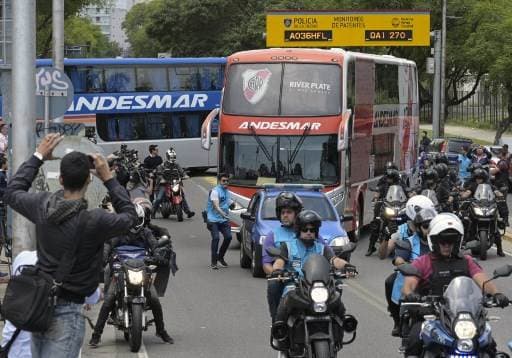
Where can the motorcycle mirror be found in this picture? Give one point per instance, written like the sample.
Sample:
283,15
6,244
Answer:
163,241
345,249
503,271
408,270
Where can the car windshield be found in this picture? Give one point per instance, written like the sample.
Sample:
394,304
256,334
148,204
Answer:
320,204
283,89
253,160
455,146
463,295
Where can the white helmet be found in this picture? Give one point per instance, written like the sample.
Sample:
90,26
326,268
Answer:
441,223
171,155
416,204
140,219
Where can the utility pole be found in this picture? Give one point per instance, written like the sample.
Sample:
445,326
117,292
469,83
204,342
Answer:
436,96
58,42
442,119
23,106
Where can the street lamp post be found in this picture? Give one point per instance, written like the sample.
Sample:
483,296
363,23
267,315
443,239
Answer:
443,73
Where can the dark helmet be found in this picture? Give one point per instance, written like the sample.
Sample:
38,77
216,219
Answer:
393,174
305,218
480,174
474,166
503,166
442,170
289,200
442,159
431,174
390,165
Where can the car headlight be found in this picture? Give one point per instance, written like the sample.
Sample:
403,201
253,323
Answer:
389,212
319,294
465,329
339,241
135,277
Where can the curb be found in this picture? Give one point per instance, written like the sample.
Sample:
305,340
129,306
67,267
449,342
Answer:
507,236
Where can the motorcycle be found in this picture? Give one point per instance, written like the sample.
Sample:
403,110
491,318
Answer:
173,205
431,194
313,329
455,324
133,279
392,213
481,219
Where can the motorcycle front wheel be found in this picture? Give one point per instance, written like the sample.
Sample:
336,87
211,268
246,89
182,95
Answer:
483,236
135,329
321,349
165,209
179,212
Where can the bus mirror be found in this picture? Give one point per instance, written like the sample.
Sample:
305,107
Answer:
343,130
206,129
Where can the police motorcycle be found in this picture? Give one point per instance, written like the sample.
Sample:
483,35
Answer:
313,329
132,273
392,212
455,324
173,202
480,217
431,194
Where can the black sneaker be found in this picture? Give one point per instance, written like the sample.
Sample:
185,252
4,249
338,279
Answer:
395,332
165,337
214,267
223,263
190,214
95,340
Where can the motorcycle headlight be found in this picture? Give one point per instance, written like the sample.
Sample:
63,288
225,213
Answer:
176,187
478,211
465,329
389,212
135,277
339,241
465,345
319,294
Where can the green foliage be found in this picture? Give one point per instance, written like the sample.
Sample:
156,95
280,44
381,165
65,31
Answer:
80,31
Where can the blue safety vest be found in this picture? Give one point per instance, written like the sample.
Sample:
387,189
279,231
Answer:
283,234
414,240
464,163
298,254
403,231
213,215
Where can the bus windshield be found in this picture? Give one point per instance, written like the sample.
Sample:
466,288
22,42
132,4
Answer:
283,89
255,160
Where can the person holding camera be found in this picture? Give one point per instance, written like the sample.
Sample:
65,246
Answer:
57,217
217,211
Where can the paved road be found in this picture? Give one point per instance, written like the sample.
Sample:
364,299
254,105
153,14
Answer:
223,314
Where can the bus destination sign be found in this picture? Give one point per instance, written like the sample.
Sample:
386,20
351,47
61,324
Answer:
345,29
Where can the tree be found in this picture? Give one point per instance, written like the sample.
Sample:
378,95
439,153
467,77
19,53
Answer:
44,21
80,31
135,25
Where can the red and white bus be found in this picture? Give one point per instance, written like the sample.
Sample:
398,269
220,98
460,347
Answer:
311,116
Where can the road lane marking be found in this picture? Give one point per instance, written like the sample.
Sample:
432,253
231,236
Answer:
367,296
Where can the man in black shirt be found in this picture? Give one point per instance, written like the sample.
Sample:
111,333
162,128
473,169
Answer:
56,216
153,160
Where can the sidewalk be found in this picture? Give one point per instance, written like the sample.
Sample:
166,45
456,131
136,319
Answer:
483,134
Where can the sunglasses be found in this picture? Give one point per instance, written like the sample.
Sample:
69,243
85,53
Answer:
225,181
308,229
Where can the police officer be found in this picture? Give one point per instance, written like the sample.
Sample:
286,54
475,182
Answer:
444,239
391,177
308,242
443,188
288,205
138,236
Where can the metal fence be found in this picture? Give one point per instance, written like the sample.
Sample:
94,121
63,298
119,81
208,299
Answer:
488,107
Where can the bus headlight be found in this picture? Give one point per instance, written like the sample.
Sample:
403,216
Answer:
135,277
465,329
319,294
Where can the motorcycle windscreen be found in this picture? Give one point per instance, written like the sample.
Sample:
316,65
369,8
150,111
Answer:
431,195
463,295
396,194
316,268
484,193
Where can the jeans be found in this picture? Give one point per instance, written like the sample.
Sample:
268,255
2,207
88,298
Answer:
65,336
274,293
225,229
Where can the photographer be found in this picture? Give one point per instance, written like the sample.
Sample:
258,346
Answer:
56,216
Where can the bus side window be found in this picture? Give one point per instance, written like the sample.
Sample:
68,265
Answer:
386,84
351,85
